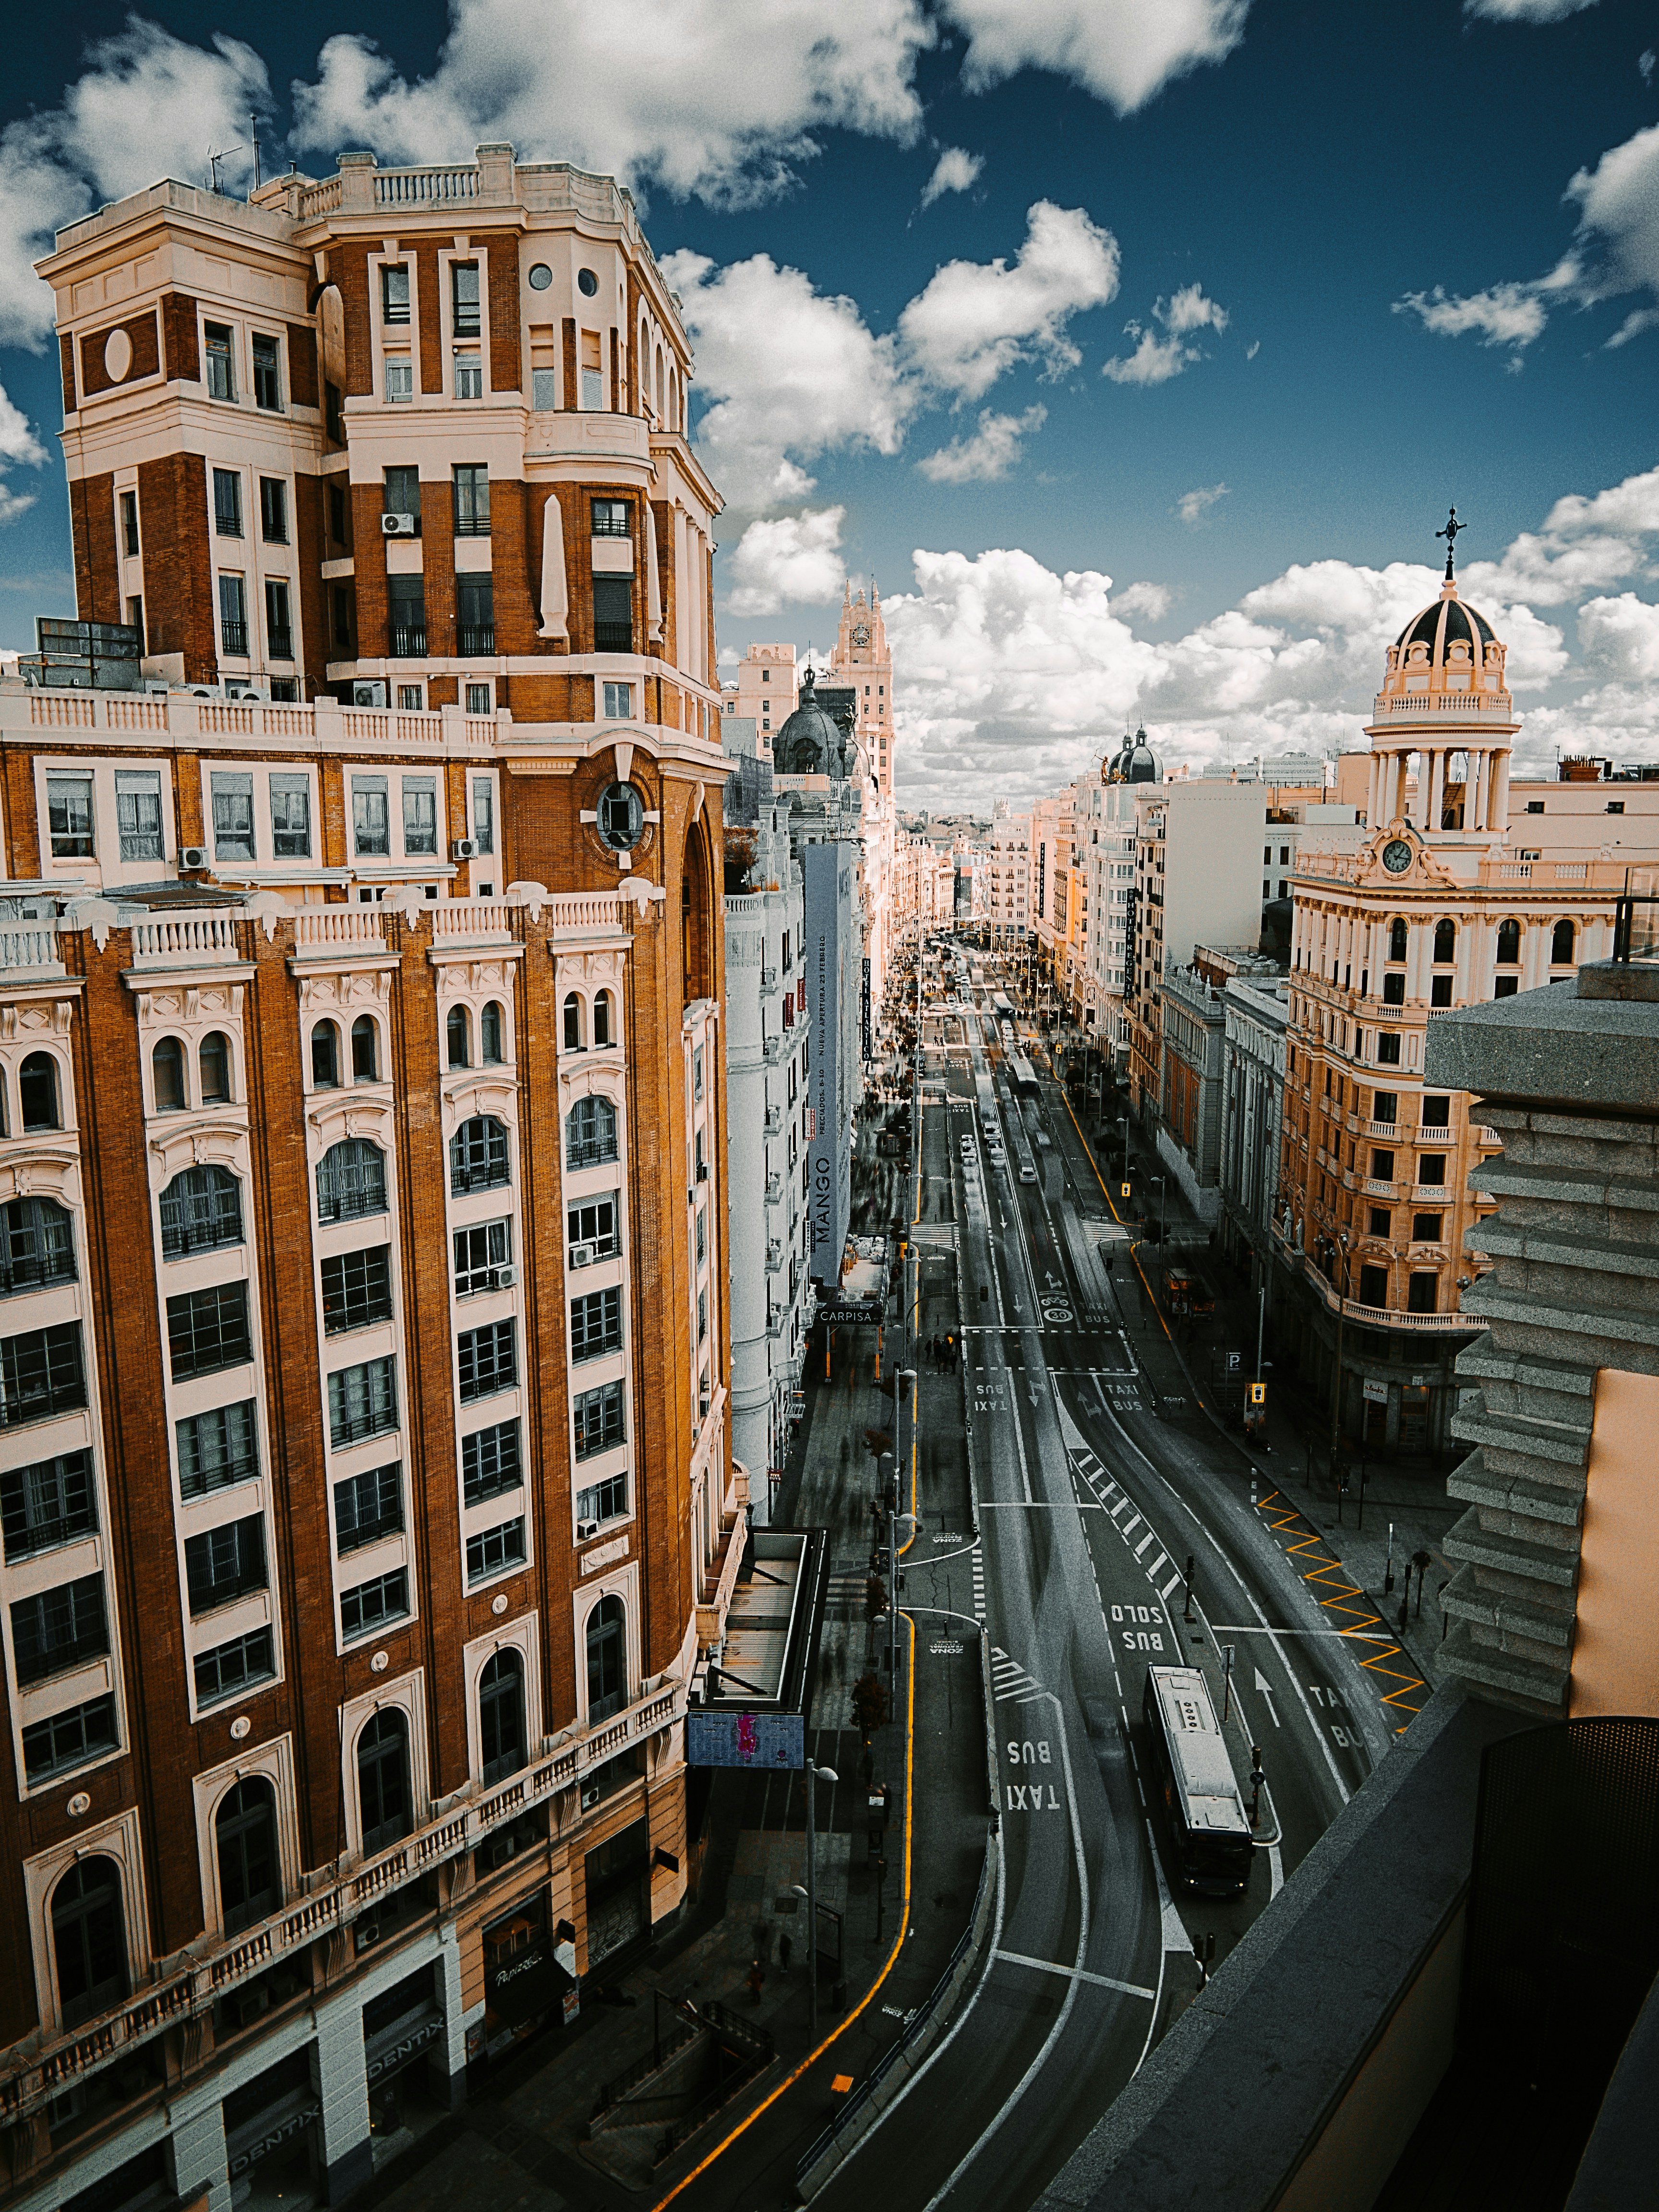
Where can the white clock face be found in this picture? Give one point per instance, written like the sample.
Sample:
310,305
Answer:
861,634
1396,856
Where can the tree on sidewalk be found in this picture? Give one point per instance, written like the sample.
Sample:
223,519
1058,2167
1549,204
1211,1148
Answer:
869,1705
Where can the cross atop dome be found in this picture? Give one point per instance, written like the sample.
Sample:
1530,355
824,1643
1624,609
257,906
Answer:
1450,533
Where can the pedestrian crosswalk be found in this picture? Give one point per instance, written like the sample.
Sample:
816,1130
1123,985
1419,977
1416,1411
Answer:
978,1562
848,1588
1010,1682
1162,1576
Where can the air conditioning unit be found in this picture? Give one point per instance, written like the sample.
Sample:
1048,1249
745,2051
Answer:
368,694
191,857
506,1278
396,526
581,1256
590,1796
466,848
368,1934
235,690
586,1531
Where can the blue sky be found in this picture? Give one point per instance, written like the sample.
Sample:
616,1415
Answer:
1221,302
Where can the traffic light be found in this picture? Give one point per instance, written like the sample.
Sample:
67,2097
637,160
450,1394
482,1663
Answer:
1258,1394
1123,1190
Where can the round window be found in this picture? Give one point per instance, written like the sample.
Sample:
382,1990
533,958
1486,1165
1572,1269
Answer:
540,277
586,282
622,818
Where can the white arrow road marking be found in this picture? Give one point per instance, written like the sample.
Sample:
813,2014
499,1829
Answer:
1266,1689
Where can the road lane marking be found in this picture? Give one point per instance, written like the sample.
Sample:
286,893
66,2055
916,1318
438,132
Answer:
1337,1594
1173,1583
1077,1974
1146,1545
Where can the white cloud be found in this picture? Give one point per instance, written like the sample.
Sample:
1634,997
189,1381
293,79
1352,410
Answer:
1585,544
974,320
1621,637
1618,212
148,106
989,453
955,171
1152,600
1124,53
1507,314
820,382
787,561
1193,506
1525,11
1155,360
714,97
19,447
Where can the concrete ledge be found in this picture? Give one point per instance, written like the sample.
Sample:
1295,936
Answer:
1542,1690
1597,1055
1232,2108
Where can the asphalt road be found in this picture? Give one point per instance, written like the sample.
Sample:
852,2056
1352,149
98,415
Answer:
1094,1483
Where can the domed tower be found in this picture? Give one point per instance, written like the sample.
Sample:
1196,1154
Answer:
1134,763
1444,701
811,742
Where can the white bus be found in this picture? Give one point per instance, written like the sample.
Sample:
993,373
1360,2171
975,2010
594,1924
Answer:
1209,1828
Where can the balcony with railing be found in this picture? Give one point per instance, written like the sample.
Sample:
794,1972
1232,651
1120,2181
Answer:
281,645
233,640
473,639
406,642
205,936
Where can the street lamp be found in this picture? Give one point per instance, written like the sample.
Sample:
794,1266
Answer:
815,1774
906,1375
1162,1182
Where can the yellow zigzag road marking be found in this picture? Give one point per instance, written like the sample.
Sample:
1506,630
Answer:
1330,1571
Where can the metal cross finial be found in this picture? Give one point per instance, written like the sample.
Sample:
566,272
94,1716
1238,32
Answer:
1450,533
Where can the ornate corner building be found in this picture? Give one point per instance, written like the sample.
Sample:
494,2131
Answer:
365,1474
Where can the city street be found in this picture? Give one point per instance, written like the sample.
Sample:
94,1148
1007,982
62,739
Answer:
1093,1484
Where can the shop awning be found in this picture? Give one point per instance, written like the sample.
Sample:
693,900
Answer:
531,1982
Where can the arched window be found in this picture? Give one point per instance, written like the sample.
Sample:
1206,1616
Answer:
458,1031
607,1659
1561,942
383,1794
201,1209
88,1940
325,1056
674,422
365,1050
250,1868
489,1035
37,1245
602,1030
572,1021
660,390
501,1716
697,961
477,1155
351,1180
213,1061
37,1091
1445,943
167,1064
1509,944
1396,940
590,1134
5,1107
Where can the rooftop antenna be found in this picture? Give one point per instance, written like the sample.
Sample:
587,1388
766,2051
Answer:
214,159
1450,533
253,132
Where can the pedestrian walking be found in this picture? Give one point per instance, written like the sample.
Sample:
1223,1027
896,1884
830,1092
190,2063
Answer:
786,1952
755,1982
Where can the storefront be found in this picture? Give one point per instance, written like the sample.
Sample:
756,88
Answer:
273,2133
405,2058
524,1985
618,1883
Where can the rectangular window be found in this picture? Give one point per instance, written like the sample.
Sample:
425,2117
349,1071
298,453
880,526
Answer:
362,1401
135,619
1425,1228
139,813
232,816
463,298
273,510
1382,1165
207,1330
1374,1286
479,700
399,379
483,813
595,1324
593,374
220,363
129,522
471,482
468,376
492,1549
267,373
367,1507
68,817
229,1669
290,816
702,1219
486,1360
224,1564
702,1315
357,1288
603,1501
394,292
401,492
1385,1106
227,503
333,418
370,826
41,1374
218,1449
1431,1170
543,390
481,1253
613,614
1437,1113
371,1605
610,517
478,1156
58,1628
1379,1222
406,616
618,703
490,1463
70,1739
696,1071
49,1503
592,1229
232,618
409,698
1506,986
1387,1048
337,514
340,604
598,1416
420,814
475,615
1421,1293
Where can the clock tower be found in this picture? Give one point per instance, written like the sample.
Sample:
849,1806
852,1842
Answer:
862,663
